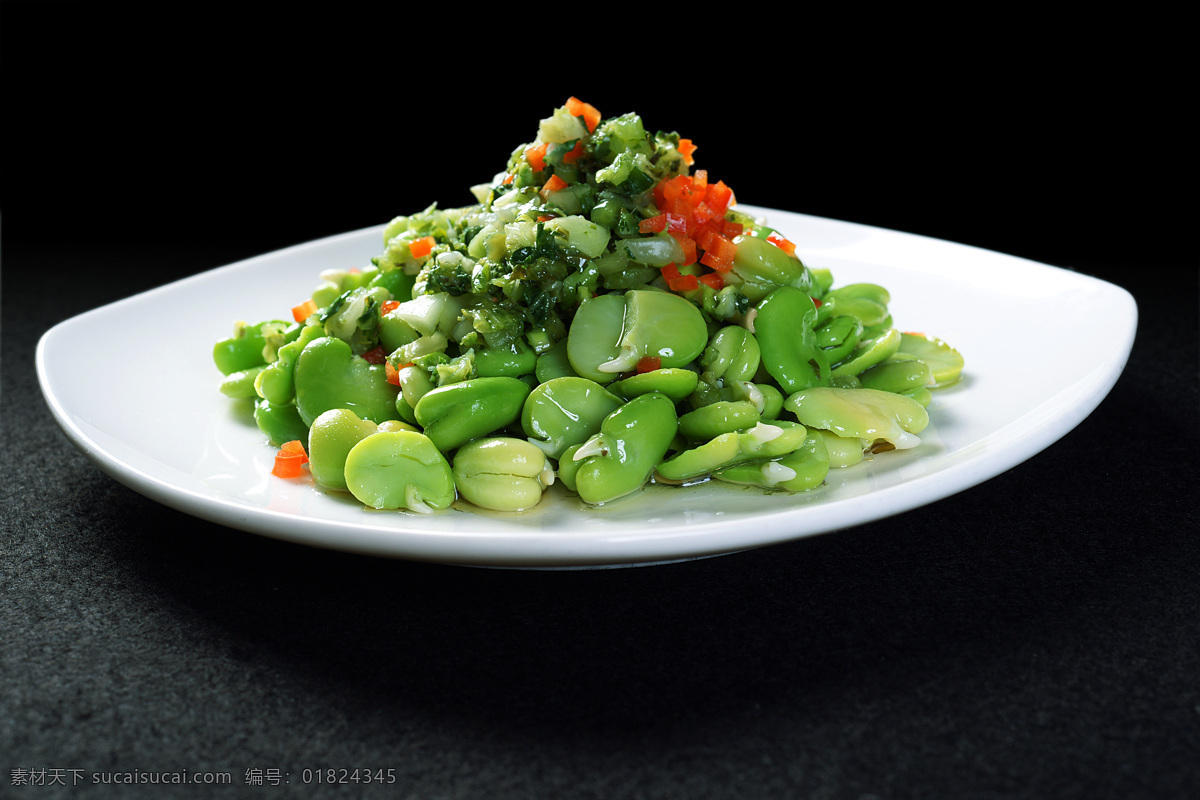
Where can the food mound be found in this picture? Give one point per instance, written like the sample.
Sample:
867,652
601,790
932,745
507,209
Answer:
603,316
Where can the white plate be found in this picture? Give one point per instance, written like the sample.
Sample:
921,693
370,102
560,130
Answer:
1043,346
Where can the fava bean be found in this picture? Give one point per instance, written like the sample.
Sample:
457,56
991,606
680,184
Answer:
330,440
620,459
800,470
732,355
249,345
554,363
896,375
839,336
501,473
945,363
861,414
240,385
399,469
843,451
869,353
280,423
566,411
454,414
676,384
763,441
724,416
762,268
784,330
329,376
512,362
612,333
866,301
277,382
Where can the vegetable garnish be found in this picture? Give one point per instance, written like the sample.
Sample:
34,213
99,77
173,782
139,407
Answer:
304,310
603,316
290,460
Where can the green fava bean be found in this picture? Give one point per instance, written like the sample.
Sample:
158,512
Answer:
732,355
763,268
612,333
763,441
329,375
240,385
565,411
512,362
839,336
801,470
842,451
400,469
332,435
945,363
415,383
861,414
724,416
866,301
245,349
454,414
784,329
675,383
277,382
869,353
699,461
921,394
554,363
394,332
501,473
899,376
620,459
568,468
280,423
765,397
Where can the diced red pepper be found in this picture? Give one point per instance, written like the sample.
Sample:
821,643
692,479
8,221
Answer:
714,280
684,283
689,246
782,243
719,197
686,148
289,460
388,307
653,224
536,156
731,229
391,373
304,310
575,154
670,272
578,108
555,184
375,356
719,253
677,223
421,247
649,364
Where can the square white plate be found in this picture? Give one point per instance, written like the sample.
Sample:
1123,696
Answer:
1042,345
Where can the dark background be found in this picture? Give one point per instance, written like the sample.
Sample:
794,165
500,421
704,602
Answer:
1036,636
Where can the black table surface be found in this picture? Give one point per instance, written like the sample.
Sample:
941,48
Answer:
1035,636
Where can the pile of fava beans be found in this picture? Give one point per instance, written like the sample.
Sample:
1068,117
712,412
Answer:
603,317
